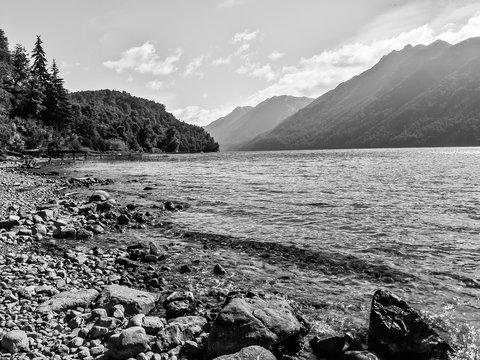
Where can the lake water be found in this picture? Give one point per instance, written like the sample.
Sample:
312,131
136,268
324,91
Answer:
415,212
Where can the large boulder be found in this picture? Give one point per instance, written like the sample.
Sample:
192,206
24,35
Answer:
127,344
99,195
134,301
249,353
69,300
253,321
15,341
178,304
399,331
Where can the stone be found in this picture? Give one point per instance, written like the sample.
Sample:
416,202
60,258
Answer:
99,195
123,219
249,353
179,304
83,234
330,347
127,344
15,341
68,300
134,301
40,229
358,355
219,270
180,330
46,214
253,321
152,324
398,331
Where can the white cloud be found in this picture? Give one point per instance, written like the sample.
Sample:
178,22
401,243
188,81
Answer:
315,75
144,59
242,50
196,115
222,61
275,55
155,85
245,36
257,70
193,66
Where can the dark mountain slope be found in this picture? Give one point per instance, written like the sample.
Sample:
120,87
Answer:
413,97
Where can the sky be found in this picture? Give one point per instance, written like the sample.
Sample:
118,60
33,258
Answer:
203,58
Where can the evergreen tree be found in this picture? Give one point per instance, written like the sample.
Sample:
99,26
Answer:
5,73
4,51
39,66
58,108
27,92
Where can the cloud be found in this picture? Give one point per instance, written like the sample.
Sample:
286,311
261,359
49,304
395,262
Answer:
193,66
196,115
257,70
245,36
315,75
275,55
230,3
155,85
242,50
221,61
144,59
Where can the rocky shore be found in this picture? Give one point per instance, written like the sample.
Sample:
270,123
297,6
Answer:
66,296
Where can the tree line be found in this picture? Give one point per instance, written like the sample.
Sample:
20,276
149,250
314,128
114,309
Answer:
37,111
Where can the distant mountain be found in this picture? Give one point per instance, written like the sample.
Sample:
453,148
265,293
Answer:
115,120
419,96
245,123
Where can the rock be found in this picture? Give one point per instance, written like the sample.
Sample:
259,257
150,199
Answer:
253,321
219,270
68,232
127,344
152,324
330,347
15,341
134,301
397,330
40,229
184,269
179,304
249,353
180,330
169,206
123,219
149,258
83,234
46,214
68,300
99,195
358,355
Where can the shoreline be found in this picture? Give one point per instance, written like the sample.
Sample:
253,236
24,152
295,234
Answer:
175,243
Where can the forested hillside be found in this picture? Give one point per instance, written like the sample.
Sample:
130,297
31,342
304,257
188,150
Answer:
37,111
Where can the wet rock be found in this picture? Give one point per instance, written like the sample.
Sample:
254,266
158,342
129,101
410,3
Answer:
69,300
99,195
358,355
169,206
330,347
219,270
129,343
15,341
179,304
398,331
253,321
249,353
185,269
134,301
123,219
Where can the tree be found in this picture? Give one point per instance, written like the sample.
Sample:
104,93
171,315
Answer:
4,51
39,66
57,105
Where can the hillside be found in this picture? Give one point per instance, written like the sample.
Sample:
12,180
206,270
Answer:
235,129
419,96
107,118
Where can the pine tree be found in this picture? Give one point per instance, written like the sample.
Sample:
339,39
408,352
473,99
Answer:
4,51
27,92
58,108
39,66
5,73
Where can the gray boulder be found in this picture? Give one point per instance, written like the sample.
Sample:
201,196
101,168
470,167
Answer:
180,330
68,300
127,344
249,353
15,341
398,331
134,301
253,321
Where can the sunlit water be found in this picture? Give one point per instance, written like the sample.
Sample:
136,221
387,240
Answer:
413,210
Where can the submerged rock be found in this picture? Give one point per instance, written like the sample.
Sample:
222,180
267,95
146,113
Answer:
398,331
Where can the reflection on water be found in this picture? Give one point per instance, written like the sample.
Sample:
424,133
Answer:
412,210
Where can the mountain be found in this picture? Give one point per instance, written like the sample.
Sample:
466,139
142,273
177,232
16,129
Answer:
419,96
114,120
244,124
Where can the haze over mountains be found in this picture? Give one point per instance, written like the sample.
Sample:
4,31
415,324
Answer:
419,96
245,123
